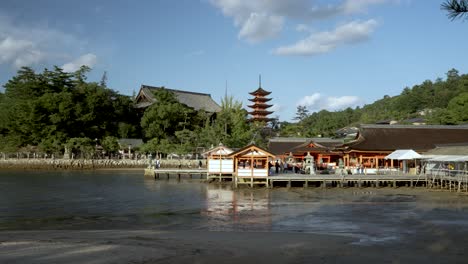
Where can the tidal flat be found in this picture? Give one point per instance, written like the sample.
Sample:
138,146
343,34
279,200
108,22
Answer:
122,217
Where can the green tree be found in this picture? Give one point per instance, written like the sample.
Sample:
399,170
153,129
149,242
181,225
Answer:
166,116
301,113
457,109
110,145
231,124
81,147
46,109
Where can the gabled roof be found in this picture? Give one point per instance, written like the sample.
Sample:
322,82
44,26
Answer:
318,145
220,150
252,151
420,138
194,100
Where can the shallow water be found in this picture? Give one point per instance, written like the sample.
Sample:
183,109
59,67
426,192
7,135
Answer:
126,200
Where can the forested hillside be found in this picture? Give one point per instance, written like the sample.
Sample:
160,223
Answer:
437,102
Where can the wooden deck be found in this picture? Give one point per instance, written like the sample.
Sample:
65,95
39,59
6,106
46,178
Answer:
354,180
178,173
457,183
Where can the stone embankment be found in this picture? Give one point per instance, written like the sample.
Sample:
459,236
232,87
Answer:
77,164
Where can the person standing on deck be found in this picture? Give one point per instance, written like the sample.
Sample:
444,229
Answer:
276,167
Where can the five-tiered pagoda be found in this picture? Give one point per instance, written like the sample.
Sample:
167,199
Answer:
259,107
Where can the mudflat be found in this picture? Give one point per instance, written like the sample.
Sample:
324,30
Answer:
192,246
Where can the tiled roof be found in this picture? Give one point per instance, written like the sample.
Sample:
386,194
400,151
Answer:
419,138
194,100
282,145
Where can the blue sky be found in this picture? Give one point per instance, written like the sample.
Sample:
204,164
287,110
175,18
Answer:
321,54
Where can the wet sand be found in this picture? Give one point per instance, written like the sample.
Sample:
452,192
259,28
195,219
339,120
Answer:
151,246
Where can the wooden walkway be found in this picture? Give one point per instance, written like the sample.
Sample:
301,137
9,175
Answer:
191,173
354,180
457,183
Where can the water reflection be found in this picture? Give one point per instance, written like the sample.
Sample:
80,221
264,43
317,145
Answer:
237,210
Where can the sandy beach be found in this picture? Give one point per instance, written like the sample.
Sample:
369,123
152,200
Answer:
152,246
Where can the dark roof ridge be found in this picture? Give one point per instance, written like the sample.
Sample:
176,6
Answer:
415,126
173,90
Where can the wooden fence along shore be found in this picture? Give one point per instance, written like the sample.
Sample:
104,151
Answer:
440,179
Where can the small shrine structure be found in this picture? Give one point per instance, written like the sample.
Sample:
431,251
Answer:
219,165
251,165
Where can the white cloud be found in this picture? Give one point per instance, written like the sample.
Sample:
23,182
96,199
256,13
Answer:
28,45
259,27
18,52
310,100
317,102
86,60
326,41
263,19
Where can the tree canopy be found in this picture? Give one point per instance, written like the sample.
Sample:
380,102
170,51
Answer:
48,109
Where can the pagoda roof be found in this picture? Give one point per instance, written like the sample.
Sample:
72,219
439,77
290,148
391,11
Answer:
260,99
260,106
264,119
260,91
260,112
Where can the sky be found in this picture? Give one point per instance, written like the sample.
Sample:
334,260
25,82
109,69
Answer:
315,53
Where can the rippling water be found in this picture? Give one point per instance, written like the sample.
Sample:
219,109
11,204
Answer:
127,200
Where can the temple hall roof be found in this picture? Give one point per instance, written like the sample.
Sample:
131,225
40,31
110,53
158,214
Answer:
194,100
420,138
